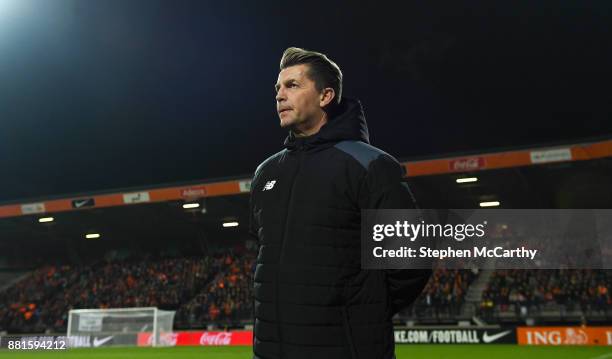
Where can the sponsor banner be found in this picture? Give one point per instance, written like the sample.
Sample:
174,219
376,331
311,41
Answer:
240,337
564,335
165,339
455,336
79,341
83,203
136,197
32,208
467,164
561,154
107,340
245,186
193,192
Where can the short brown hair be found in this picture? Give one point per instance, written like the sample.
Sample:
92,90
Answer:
323,71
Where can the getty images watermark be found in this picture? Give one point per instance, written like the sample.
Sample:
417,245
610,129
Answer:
487,238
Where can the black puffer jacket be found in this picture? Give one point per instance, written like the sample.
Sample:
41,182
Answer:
312,299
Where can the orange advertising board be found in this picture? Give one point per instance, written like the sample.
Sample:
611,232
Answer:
564,335
465,164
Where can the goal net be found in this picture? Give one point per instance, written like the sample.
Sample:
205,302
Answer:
121,326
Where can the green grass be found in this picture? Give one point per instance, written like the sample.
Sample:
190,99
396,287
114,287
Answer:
403,352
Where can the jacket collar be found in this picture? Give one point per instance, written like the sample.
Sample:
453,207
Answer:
347,122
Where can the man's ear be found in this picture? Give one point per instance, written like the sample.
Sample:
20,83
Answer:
327,96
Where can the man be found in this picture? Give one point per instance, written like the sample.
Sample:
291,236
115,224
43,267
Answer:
312,299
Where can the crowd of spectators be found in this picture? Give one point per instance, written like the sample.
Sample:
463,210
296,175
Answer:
523,291
41,301
227,298
445,292
22,306
218,288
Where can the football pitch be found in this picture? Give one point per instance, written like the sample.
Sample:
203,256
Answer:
403,352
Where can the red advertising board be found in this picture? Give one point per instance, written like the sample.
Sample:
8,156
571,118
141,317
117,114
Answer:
524,336
204,338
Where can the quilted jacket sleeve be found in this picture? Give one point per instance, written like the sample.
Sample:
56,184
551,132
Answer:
383,188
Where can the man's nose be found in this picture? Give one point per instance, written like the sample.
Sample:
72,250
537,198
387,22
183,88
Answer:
280,95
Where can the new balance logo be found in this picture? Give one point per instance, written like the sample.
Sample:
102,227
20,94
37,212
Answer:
269,185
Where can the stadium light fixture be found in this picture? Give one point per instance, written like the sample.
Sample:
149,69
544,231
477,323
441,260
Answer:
230,224
46,219
92,235
489,204
191,205
467,179
203,208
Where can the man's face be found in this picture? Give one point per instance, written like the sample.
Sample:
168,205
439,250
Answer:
297,99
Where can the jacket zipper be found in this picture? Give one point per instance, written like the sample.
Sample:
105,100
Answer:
282,249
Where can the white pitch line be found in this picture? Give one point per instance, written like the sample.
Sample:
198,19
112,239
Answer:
609,355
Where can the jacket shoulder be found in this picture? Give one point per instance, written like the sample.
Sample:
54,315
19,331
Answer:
268,161
362,152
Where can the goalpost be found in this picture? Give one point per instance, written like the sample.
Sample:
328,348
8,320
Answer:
121,326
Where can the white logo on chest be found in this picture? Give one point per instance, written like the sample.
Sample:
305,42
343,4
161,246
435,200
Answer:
269,185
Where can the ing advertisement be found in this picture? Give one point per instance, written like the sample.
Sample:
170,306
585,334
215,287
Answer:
564,335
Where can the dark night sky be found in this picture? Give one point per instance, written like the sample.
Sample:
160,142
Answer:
98,95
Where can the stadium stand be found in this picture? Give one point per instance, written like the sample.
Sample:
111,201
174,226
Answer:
216,290
547,294
443,296
161,254
39,303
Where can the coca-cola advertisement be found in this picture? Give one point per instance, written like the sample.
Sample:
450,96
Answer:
212,338
200,338
467,164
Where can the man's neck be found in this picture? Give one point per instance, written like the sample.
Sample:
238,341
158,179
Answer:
310,130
